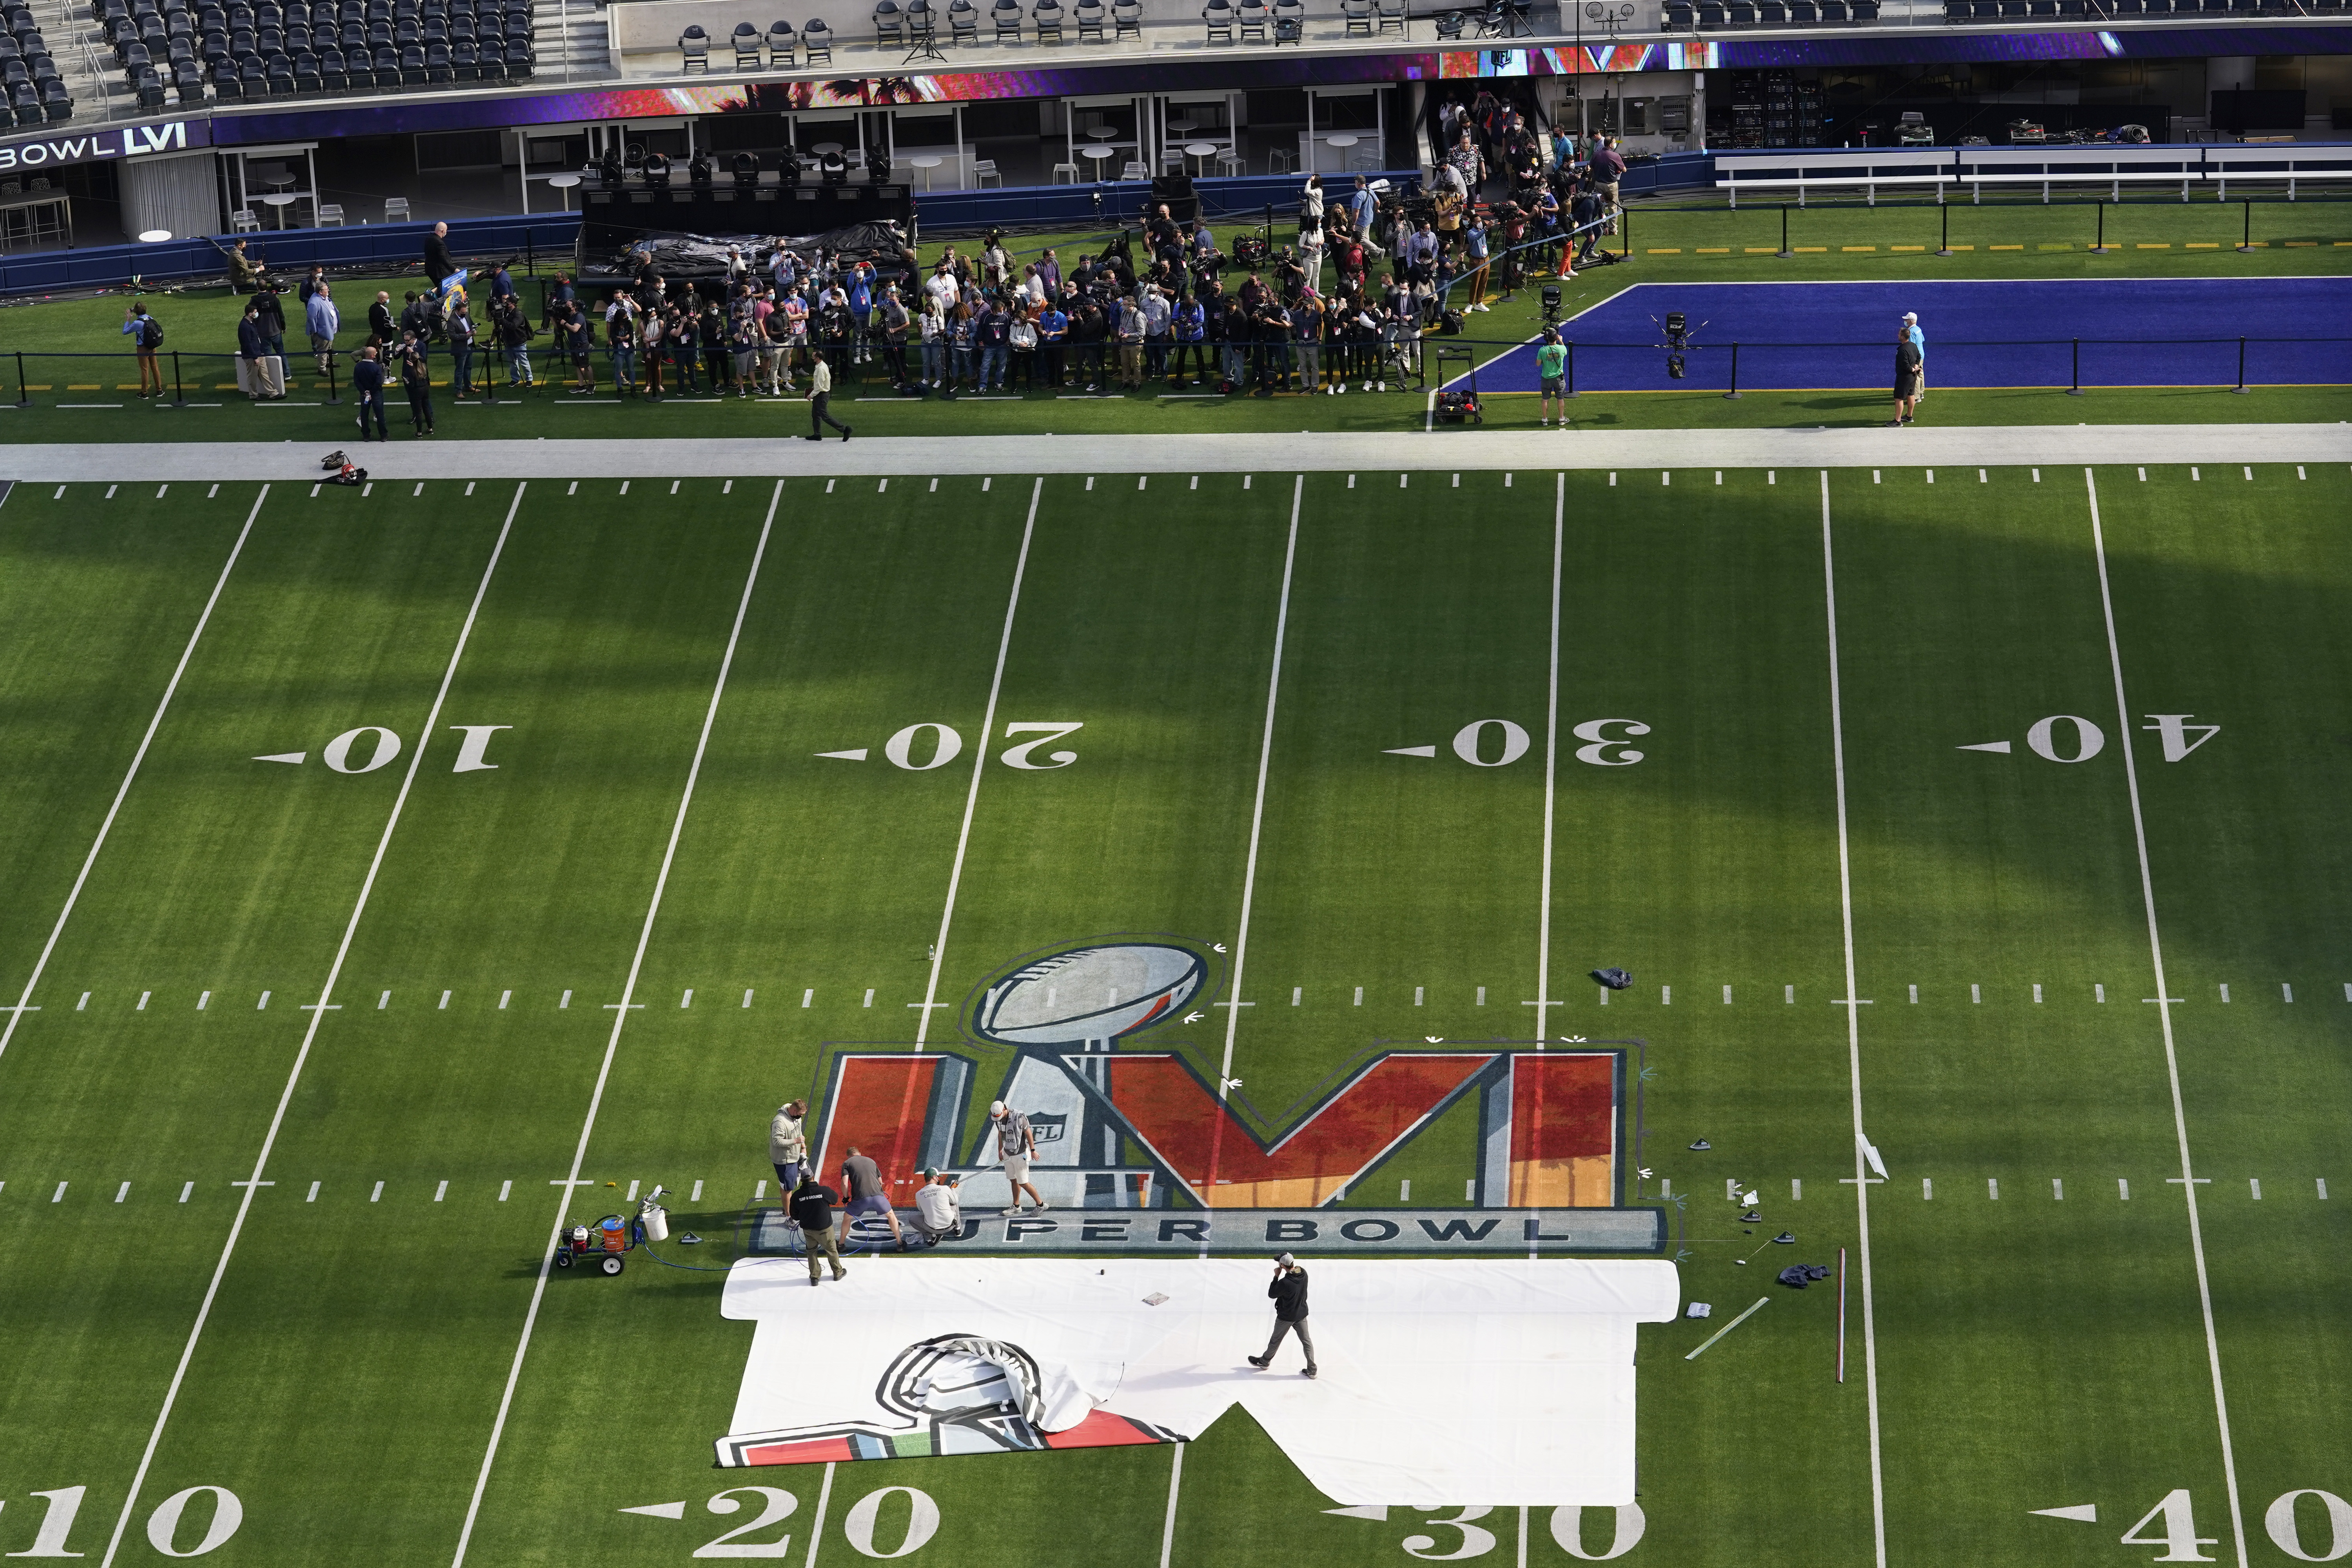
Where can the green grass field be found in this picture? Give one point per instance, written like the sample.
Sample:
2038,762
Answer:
72,391
333,1349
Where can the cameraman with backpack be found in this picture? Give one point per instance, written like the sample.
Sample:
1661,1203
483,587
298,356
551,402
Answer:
146,335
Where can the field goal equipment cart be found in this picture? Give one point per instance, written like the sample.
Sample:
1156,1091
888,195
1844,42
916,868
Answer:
1458,405
602,1245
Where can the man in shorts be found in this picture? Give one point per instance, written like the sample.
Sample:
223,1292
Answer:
788,1146
1016,1145
863,1177
1551,366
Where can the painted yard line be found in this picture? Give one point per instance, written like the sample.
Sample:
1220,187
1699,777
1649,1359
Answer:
1853,1040
73,894
979,763
1168,1530
1258,824
620,1022
310,1030
1551,773
2164,1012
1760,1301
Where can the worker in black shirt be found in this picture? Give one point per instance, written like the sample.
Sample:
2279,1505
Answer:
1289,1293
439,265
811,1209
367,380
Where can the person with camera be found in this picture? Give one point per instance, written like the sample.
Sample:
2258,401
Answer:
1289,1294
1188,330
417,380
1053,337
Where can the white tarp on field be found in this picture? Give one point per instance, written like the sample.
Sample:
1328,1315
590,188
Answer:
1444,1381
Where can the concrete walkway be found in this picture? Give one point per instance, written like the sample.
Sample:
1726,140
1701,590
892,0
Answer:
1919,446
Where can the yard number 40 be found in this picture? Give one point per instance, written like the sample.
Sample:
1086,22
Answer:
2177,1528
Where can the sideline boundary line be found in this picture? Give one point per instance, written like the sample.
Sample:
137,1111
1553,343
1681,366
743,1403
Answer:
1853,1041
310,1032
1257,825
73,897
2163,1013
979,767
620,1021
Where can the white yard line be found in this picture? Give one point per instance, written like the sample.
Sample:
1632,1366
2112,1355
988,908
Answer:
16,1014
310,1031
1258,824
979,765
1853,1042
1168,1530
2163,1013
1552,769
620,1021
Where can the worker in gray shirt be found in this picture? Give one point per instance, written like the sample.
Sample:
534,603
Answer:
863,1179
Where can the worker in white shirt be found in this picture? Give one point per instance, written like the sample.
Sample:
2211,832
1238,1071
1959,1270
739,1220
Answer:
939,1213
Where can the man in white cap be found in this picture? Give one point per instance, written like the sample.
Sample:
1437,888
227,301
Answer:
1016,1145
1289,1293
1918,340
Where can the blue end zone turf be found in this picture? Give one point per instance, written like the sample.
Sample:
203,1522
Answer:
1841,336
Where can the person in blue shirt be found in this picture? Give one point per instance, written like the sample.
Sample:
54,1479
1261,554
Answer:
1189,327
1364,210
861,310
501,286
1053,331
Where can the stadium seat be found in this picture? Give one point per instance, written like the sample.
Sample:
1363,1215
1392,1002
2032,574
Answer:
1217,19
747,41
963,23
817,39
1046,17
57,103
1006,18
783,40
492,56
694,50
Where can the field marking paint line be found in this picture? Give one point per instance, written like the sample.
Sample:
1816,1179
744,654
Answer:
824,1496
1258,825
620,1021
2188,1179
310,1030
73,894
979,765
1551,773
1168,1530
1853,1042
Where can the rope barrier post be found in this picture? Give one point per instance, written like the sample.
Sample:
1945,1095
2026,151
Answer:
2099,245
179,395
1734,393
1571,367
1627,214
24,397
2246,236
2241,366
1785,252
1944,241
2076,390
490,374
334,398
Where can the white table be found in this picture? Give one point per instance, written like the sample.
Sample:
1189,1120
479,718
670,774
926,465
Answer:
1200,151
1098,153
823,148
564,183
278,202
927,165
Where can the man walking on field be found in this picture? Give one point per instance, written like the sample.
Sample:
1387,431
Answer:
1918,340
1289,1293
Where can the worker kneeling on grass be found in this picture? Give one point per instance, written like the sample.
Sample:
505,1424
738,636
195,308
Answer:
939,1211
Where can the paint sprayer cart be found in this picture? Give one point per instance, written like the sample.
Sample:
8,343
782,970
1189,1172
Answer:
602,1245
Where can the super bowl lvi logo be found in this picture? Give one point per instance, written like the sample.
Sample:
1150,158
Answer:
1089,995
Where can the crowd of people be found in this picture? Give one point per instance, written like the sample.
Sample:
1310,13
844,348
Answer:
1348,306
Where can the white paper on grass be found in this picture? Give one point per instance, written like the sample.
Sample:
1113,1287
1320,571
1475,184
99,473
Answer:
1492,1380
